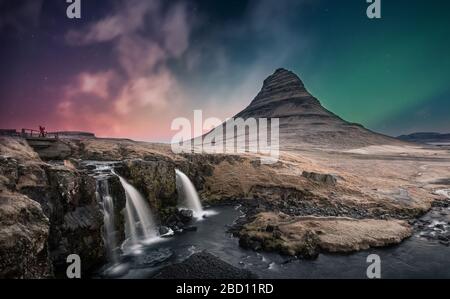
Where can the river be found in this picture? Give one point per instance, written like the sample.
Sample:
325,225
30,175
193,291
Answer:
416,257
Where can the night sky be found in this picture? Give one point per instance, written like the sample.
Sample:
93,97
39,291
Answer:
128,68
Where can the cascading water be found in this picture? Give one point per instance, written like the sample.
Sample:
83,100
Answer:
106,199
140,226
191,199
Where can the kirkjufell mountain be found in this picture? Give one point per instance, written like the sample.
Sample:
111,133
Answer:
304,122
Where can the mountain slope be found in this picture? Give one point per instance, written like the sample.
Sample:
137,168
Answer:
304,122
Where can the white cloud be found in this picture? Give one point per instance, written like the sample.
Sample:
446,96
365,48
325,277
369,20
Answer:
144,37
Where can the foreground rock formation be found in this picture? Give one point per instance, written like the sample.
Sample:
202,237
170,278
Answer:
307,236
55,207
24,230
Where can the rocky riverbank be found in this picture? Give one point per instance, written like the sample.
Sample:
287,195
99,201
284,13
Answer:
435,225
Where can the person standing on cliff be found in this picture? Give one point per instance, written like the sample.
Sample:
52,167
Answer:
42,132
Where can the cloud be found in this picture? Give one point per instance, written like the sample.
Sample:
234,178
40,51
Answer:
19,15
238,55
96,84
176,31
127,18
138,56
141,92
152,91
140,86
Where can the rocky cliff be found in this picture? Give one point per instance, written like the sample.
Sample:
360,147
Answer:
48,212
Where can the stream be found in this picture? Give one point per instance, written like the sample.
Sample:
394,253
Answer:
417,257
426,254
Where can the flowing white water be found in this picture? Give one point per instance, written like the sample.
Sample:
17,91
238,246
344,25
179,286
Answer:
108,219
191,199
140,226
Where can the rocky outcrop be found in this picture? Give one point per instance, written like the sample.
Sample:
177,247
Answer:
155,179
50,149
307,236
76,218
200,167
24,230
328,179
55,208
68,199
24,227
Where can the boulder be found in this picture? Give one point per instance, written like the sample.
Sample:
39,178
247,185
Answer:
76,219
186,215
164,230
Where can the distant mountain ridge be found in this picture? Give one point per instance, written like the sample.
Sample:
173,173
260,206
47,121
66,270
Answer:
426,137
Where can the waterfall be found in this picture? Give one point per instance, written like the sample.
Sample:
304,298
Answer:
139,220
109,233
191,198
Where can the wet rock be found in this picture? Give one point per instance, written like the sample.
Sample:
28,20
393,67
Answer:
249,242
445,243
443,238
164,230
76,219
186,215
90,167
440,226
155,257
174,218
